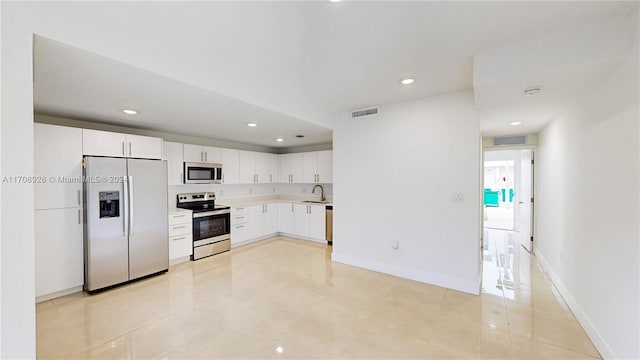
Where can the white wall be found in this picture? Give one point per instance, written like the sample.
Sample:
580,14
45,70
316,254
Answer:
394,177
587,216
17,303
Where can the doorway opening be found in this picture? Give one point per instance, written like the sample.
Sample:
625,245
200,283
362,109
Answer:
507,215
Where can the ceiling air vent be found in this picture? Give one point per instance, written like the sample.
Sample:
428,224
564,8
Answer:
364,112
513,140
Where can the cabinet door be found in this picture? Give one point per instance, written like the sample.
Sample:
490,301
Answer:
212,155
286,218
256,221
317,215
296,168
172,152
180,246
230,160
103,143
285,168
59,255
309,167
57,153
272,219
247,167
301,220
193,153
262,167
144,147
325,167
239,233
274,168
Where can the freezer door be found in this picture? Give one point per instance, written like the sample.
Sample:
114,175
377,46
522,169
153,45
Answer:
105,233
148,228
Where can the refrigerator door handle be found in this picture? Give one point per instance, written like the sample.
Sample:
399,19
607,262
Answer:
131,206
125,206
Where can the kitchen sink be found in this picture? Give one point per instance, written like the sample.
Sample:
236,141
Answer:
316,202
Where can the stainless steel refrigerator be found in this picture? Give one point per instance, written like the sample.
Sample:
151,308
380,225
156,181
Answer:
125,228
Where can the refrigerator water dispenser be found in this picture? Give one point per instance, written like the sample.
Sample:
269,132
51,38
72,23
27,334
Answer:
109,204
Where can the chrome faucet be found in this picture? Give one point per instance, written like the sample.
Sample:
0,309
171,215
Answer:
321,191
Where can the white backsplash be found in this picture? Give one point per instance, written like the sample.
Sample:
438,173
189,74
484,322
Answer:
226,191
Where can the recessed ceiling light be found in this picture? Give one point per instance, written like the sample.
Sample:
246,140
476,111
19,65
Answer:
252,124
532,91
300,136
130,112
407,81
279,139
334,1
515,123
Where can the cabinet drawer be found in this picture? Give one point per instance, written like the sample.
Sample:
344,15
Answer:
239,219
179,229
244,210
180,246
180,218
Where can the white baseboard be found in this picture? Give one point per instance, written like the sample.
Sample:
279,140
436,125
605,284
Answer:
179,260
58,294
303,238
592,332
471,287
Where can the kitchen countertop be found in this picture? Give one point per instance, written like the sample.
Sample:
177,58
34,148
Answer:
178,211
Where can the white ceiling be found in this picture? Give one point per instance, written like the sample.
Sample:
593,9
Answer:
307,60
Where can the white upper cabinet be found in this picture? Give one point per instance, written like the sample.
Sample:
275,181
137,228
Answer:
291,168
105,143
274,168
317,167
262,168
325,166
172,152
199,153
255,167
230,160
247,167
58,154
144,147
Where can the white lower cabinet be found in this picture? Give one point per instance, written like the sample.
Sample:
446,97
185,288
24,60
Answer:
180,236
263,220
286,218
309,221
239,225
59,255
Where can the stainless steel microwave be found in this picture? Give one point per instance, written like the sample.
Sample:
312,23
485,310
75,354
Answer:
202,173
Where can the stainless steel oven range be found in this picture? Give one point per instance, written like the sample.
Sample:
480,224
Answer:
211,223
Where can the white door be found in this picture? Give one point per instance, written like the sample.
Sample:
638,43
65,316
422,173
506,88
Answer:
262,167
247,167
230,160
193,153
212,155
325,167
309,167
317,226
144,147
286,218
57,154
59,257
296,168
301,220
525,194
273,168
172,152
103,143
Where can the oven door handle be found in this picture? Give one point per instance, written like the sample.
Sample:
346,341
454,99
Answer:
210,213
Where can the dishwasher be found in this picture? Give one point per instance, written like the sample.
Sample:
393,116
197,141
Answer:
329,224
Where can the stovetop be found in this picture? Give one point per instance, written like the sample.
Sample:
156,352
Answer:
199,202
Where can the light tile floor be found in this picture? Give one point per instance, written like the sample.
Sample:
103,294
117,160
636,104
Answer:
285,298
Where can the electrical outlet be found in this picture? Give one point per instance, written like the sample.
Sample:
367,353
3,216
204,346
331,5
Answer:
250,191
273,190
304,190
457,197
221,193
